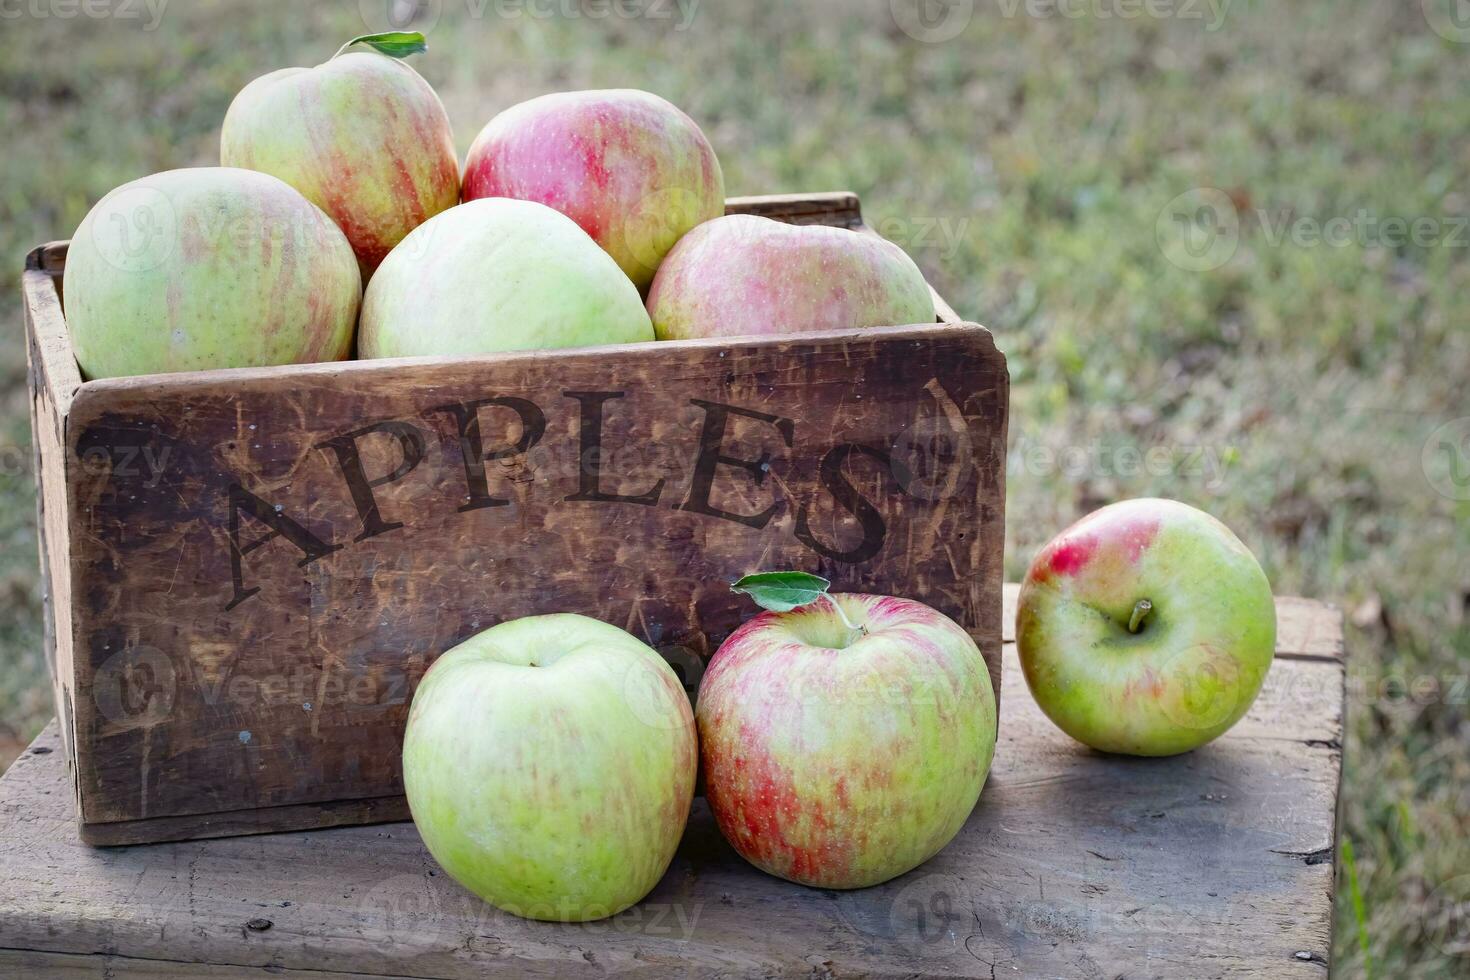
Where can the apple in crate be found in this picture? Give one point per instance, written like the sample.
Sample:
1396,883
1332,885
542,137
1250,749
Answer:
363,136
1146,628
744,274
633,170
498,275
845,738
549,764
209,267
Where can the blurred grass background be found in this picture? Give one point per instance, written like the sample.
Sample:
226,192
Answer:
1207,347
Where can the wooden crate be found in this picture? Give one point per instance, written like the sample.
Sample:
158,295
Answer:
248,570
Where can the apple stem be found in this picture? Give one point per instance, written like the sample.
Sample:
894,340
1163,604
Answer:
856,628
1141,609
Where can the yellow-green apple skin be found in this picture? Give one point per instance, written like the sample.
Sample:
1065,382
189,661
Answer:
1199,655
840,761
630,168
549,763
363,136
209,267
498,275
745,274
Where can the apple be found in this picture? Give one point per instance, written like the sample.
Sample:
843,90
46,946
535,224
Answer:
744,274
498,275
840,757
549,764
210,267
1146,628
633,170
363,136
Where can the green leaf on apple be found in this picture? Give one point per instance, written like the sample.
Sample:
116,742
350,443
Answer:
782,591
395,44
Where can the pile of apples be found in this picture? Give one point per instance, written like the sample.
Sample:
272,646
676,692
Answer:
340,221
550,762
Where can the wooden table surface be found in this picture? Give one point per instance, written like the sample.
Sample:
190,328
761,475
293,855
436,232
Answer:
1214,863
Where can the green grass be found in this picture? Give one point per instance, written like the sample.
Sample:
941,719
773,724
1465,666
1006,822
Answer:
1025,164
1355,902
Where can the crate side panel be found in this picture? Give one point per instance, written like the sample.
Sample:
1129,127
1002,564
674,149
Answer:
52,378
266,568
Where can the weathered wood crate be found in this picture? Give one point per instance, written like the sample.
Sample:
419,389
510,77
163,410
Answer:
247,571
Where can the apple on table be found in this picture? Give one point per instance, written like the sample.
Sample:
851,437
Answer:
1146,628
845,738
549,764
363,136
746,274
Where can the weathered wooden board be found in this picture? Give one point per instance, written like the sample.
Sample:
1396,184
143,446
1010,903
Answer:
1076,864
52,379
250,570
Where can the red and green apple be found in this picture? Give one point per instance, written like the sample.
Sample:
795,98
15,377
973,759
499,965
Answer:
629,167
746,274
363,136
1146,628
845,740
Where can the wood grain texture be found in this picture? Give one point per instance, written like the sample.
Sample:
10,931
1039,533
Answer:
1212,864
71,966
225,676
52,381
839,208
234,823
252,568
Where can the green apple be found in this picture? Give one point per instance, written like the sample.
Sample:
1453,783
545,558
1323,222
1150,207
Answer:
549,763
208,267
1146,628
498,275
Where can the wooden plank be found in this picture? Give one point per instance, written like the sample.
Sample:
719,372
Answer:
943,310
52,380
839,208
225,677
49,258
1215,863
1305,633
72,966
40,288
233,823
